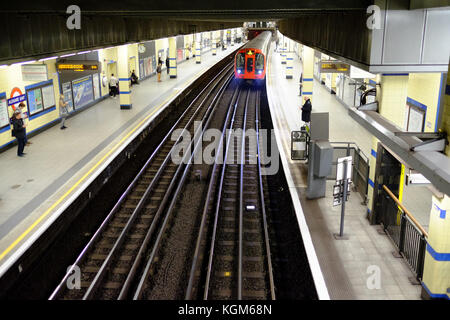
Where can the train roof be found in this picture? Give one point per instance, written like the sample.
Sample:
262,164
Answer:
259,42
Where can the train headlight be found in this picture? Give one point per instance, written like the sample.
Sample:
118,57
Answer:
239,71
259,72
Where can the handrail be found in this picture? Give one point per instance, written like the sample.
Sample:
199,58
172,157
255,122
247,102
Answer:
410,216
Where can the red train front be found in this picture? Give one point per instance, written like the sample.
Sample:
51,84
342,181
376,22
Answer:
250,61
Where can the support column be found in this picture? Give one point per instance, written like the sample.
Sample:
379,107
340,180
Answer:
283,51
436,273
198,48
124,77
225,44
173,57
392,95
214,43
308,65
289,60
232,37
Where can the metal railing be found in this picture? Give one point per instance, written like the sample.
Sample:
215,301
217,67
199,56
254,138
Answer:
361,168
404,230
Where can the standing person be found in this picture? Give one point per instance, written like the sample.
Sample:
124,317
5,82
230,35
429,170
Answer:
167,64
19,132
63,111
158,70
306,110
113,85
24,116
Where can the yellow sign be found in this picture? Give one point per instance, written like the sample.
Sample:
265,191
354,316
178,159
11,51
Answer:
249,52
328,66
77,67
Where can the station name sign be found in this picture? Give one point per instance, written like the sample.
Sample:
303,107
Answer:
75,66
333,66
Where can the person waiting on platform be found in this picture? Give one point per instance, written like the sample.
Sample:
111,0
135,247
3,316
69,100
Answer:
63,111
167,64
19,132
134,78
24,116
158,71
306,110
113,85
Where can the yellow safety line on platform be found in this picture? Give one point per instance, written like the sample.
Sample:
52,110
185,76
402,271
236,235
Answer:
30,228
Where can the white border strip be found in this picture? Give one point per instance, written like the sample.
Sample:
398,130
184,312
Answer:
314,265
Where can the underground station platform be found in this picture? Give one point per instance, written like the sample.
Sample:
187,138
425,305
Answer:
225,159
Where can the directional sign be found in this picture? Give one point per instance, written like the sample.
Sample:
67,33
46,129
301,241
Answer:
340,168
17,99
334,66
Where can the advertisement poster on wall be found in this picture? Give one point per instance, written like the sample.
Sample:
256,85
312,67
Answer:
147,66
48,96
35,101
4,117
96,82
141,68
34,72
67,92
82,91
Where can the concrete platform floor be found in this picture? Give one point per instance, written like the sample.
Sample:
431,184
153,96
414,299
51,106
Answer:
347,265
57,159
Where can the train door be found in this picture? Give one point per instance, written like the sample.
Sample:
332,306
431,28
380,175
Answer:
250,65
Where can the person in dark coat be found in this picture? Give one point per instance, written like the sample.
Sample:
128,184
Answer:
167,64
306,110
19,132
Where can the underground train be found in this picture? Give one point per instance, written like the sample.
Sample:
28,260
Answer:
250,60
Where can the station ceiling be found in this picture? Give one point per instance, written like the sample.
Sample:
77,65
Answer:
35,29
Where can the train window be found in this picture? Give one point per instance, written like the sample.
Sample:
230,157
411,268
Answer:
240,61
250,64
259,62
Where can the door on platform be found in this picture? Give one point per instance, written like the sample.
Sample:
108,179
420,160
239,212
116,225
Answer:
111,69
388,171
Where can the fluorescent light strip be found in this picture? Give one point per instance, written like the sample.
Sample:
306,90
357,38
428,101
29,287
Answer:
21,63
50,58
3,66
68,55
84,52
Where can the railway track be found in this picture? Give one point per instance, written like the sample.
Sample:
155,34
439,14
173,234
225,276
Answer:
238,264
148,241
110,261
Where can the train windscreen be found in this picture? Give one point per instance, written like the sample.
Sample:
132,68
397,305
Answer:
240,61
259,62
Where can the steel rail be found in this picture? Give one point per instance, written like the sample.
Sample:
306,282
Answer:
110,258
216,214
241,199
139,290
209,197
122,198
261,194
